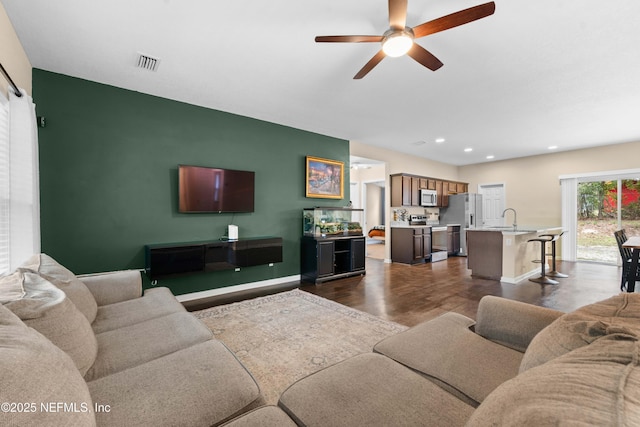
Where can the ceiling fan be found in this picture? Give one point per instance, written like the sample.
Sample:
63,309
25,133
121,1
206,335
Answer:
399,39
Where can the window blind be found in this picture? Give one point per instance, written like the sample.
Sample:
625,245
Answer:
19,189
5,225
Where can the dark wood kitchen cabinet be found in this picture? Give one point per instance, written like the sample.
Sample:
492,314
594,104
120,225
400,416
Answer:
405,189
401,190
415,191
410,245
324,259
453,239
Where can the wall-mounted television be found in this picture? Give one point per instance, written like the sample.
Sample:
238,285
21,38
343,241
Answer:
205,189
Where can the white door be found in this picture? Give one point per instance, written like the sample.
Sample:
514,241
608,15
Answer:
492,203
354,193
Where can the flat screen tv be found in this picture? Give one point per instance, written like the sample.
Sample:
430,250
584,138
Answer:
204,189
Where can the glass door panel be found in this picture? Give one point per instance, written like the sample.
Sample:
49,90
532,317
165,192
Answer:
630,206
603,208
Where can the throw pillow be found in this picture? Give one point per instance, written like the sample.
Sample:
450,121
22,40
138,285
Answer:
46,309
64,279
618,314
10,288
36,374
595,385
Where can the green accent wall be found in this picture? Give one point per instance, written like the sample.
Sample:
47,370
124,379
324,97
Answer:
109,181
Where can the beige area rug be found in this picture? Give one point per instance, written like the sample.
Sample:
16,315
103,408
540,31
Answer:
284,337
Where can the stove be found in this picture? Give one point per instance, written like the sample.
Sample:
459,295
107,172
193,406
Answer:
418,220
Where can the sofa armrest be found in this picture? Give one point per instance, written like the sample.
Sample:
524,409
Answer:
115,286
512,323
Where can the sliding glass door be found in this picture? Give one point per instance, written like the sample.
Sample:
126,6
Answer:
604,206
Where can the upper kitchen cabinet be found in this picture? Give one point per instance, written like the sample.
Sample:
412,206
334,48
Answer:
405,189
401,190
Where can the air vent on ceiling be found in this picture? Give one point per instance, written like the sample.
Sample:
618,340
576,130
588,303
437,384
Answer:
147,62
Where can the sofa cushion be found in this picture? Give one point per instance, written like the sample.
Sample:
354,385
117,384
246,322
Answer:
370,389
155,303
36,372
266,416
113,286
64,279
11,288
594,385
48,310
133,345
618,314
447,352
201,385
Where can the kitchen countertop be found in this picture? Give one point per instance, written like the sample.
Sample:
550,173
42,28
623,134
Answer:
521,229
434,227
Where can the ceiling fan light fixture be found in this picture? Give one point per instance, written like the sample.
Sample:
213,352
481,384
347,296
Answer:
397,42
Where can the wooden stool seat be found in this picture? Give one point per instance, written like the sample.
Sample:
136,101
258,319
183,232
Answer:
543,279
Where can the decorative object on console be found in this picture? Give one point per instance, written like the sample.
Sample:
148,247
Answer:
332,222
232,232
325,178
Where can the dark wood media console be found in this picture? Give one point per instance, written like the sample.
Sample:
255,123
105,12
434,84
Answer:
172,259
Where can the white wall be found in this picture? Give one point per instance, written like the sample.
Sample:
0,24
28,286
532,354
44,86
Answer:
532,184
12,56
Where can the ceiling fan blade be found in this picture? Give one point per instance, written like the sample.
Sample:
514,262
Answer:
398,14
455,19
369,65
424,57
348,39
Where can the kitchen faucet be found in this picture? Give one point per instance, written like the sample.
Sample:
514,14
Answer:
515,217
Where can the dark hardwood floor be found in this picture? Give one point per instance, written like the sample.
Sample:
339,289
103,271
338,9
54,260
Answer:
412,294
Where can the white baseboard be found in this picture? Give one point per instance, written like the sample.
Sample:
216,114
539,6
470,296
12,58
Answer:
520,278
236,288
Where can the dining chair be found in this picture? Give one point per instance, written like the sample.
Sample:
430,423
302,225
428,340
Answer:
625,254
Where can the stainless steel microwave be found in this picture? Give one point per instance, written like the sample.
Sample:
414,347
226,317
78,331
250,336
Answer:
428,198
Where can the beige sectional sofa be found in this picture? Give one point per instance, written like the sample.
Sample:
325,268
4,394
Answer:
91,350
517,365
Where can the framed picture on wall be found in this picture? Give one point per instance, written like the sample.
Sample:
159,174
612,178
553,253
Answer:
325,178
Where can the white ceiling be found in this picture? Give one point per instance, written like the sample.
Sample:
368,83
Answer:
535,74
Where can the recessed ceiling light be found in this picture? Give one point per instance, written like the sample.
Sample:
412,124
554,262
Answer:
418,143
553,147
490,156
440,140
467,150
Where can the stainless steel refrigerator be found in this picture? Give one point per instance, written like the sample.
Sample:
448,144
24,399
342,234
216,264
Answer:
464,209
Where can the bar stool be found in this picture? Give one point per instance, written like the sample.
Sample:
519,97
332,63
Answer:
554,272
543,279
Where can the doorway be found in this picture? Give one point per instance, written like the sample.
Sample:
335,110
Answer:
368,178
492,203
374,196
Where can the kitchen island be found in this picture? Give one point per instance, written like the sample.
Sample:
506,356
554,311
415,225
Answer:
504,253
